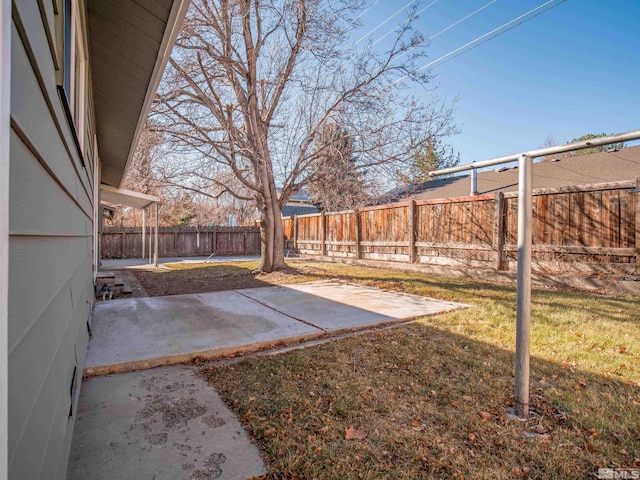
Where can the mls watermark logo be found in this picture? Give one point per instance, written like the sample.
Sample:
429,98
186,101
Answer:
619,473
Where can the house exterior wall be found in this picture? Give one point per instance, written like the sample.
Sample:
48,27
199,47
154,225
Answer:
50,247
5,82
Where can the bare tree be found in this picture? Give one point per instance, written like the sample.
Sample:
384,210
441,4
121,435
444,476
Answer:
251,84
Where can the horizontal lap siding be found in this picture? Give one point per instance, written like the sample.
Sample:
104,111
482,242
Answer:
50,257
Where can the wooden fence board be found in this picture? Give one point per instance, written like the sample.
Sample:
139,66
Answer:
181,241
571,226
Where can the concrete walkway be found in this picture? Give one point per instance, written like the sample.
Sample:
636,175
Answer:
162,424
137,333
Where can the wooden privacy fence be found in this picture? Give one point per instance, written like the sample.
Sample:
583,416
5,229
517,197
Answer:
126,242
592,228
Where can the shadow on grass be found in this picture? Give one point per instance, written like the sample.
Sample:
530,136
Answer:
433,404
202,278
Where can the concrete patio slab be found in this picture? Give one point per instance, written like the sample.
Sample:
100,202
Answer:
334,306
137,333
165,424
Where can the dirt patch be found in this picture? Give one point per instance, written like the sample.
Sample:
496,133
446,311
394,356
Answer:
200,278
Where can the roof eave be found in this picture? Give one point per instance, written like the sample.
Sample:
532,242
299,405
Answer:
174,24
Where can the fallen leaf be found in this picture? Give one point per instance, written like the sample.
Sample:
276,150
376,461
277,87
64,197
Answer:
540,429
467,398
484,416
416,422
622,349
269,432
355,434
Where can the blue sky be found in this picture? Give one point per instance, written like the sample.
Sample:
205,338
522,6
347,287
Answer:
570,71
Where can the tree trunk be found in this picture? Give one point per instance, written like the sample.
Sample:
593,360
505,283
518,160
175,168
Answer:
271,236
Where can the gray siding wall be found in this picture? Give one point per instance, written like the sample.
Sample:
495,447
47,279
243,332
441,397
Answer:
50,253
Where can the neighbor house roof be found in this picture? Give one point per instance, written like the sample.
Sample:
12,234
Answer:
298,209
130,42
601,167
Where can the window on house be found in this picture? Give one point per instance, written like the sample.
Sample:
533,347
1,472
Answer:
74,75
78,77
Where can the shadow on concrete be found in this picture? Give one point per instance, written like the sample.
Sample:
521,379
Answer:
140,333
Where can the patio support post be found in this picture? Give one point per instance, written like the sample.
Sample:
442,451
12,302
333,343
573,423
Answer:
155,238
144,230
523,305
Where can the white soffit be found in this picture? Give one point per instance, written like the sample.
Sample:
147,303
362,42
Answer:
127,198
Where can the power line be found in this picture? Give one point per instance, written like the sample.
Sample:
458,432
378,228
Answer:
449,27
394,28
380,25
488,34
365,11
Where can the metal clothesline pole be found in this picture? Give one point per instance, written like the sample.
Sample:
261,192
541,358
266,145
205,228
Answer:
155,238
525,215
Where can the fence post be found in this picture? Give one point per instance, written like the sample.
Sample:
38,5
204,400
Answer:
214,241
175,243
358,233
122,249
412,231
294,234
323,234
498,229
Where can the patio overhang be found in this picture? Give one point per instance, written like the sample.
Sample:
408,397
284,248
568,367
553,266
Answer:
130,42
127,198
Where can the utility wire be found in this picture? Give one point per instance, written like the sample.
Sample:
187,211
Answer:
448,28
394,28
380,25
364,11
488,34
